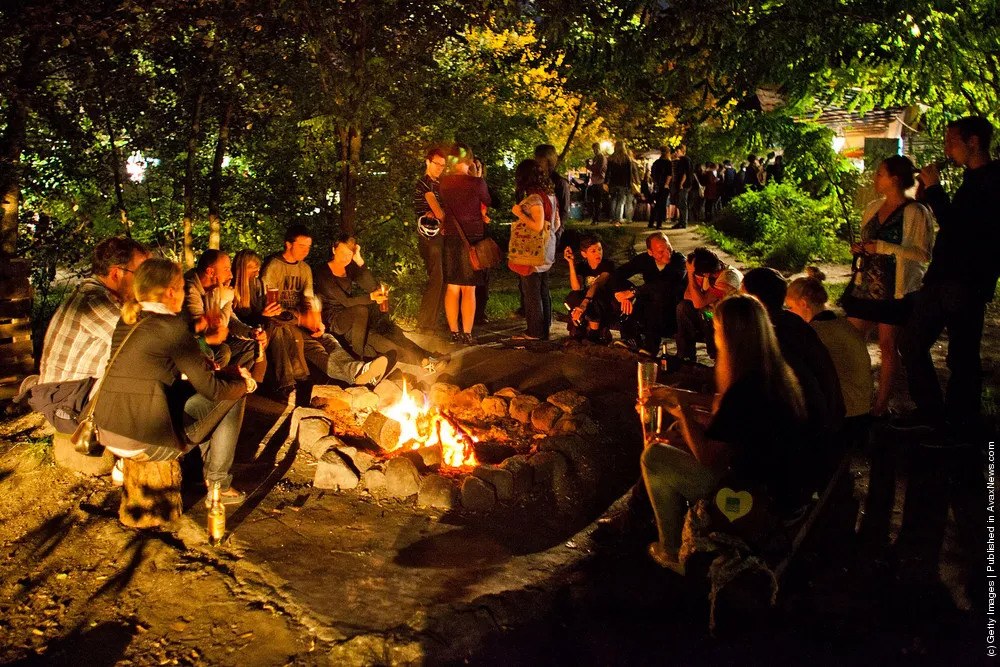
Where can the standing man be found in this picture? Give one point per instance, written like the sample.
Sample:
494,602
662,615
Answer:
427,205
660,172
289,273
959,282
77,343
598,167
680,185
728,182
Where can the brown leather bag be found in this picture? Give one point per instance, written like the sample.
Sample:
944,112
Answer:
484,255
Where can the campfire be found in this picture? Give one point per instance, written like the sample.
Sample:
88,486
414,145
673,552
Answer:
426,426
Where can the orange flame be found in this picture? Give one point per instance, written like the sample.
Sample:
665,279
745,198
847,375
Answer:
424,426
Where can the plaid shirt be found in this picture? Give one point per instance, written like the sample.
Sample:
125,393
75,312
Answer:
78,340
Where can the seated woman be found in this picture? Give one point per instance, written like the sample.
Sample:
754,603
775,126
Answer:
286,363
356,317
754,431
162,397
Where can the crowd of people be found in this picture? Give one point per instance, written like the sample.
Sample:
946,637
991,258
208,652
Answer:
165,358
672,189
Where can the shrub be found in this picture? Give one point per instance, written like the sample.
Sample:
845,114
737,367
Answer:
780,226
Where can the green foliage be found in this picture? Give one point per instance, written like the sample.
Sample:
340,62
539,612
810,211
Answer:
780,226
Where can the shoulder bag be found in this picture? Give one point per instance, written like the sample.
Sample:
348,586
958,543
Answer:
527,246
484,255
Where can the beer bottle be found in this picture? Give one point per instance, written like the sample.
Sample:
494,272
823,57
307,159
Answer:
216,516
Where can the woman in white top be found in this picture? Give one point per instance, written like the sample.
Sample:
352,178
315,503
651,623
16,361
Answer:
895,247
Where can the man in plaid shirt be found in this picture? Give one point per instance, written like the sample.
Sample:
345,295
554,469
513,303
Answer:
78,341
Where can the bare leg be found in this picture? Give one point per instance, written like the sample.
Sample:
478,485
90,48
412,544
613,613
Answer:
468,308
888,338
451,299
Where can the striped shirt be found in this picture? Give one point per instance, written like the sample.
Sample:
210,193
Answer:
78,340
424,185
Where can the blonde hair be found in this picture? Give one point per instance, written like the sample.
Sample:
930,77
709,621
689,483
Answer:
241,276
810,289
151,281
750,346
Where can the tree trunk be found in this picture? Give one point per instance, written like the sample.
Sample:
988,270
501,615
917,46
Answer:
192,148
115,160
350,153
12,143
573,130
151,493
215,184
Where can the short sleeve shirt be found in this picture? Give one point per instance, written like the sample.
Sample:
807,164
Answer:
424,185
589,276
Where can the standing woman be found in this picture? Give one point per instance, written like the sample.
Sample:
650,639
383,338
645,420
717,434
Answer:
619,181
162,397
463,194
896,240
539,211
285,357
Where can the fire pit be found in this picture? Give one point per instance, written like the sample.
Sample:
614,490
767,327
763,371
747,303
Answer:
447,448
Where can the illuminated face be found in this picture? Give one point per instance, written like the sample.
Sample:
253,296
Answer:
594,254
883,181
955,148
253,269
127,274
343,253
223,270
660,250
299,248
435,166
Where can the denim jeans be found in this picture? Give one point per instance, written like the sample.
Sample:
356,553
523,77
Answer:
215,427
326,354
619,196
672,476
537,304
682,207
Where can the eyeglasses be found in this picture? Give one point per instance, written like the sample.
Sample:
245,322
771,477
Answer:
304,245
125,269
438,164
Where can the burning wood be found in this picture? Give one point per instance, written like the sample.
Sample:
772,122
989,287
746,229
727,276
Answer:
424,426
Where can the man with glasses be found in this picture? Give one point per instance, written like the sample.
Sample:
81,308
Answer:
289,273
78,341
427,206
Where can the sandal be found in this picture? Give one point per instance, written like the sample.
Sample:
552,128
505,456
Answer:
469,339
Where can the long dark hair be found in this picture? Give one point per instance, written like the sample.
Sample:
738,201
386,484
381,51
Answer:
530,176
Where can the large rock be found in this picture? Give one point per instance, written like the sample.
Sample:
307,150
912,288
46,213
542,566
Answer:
334,472
570,402
437,492
441,393
323,444
500,479
330,398
522,406
547,466
67,457
575,424
522,474
362,398
388,394
468,402
360,459
311,430
430,457
478,495
508,393
401,478
495,406
375,482
492,452
544,417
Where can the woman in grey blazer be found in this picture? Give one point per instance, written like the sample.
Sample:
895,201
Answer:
162,396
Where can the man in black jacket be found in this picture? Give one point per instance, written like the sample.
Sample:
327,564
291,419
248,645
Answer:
660,172
650,310
959,282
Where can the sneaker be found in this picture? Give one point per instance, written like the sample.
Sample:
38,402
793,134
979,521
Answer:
629,344
595,336
118,472
915,421
664,559
373,371
433,365
679,226
26,385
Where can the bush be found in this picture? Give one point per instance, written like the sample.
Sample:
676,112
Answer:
781,227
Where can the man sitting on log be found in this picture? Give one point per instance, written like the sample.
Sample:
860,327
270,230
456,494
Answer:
288,273
78,341
208,307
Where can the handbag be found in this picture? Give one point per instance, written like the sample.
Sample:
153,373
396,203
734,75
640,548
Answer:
527,246
83,439
483,255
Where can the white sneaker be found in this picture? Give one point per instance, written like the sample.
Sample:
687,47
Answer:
118,473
